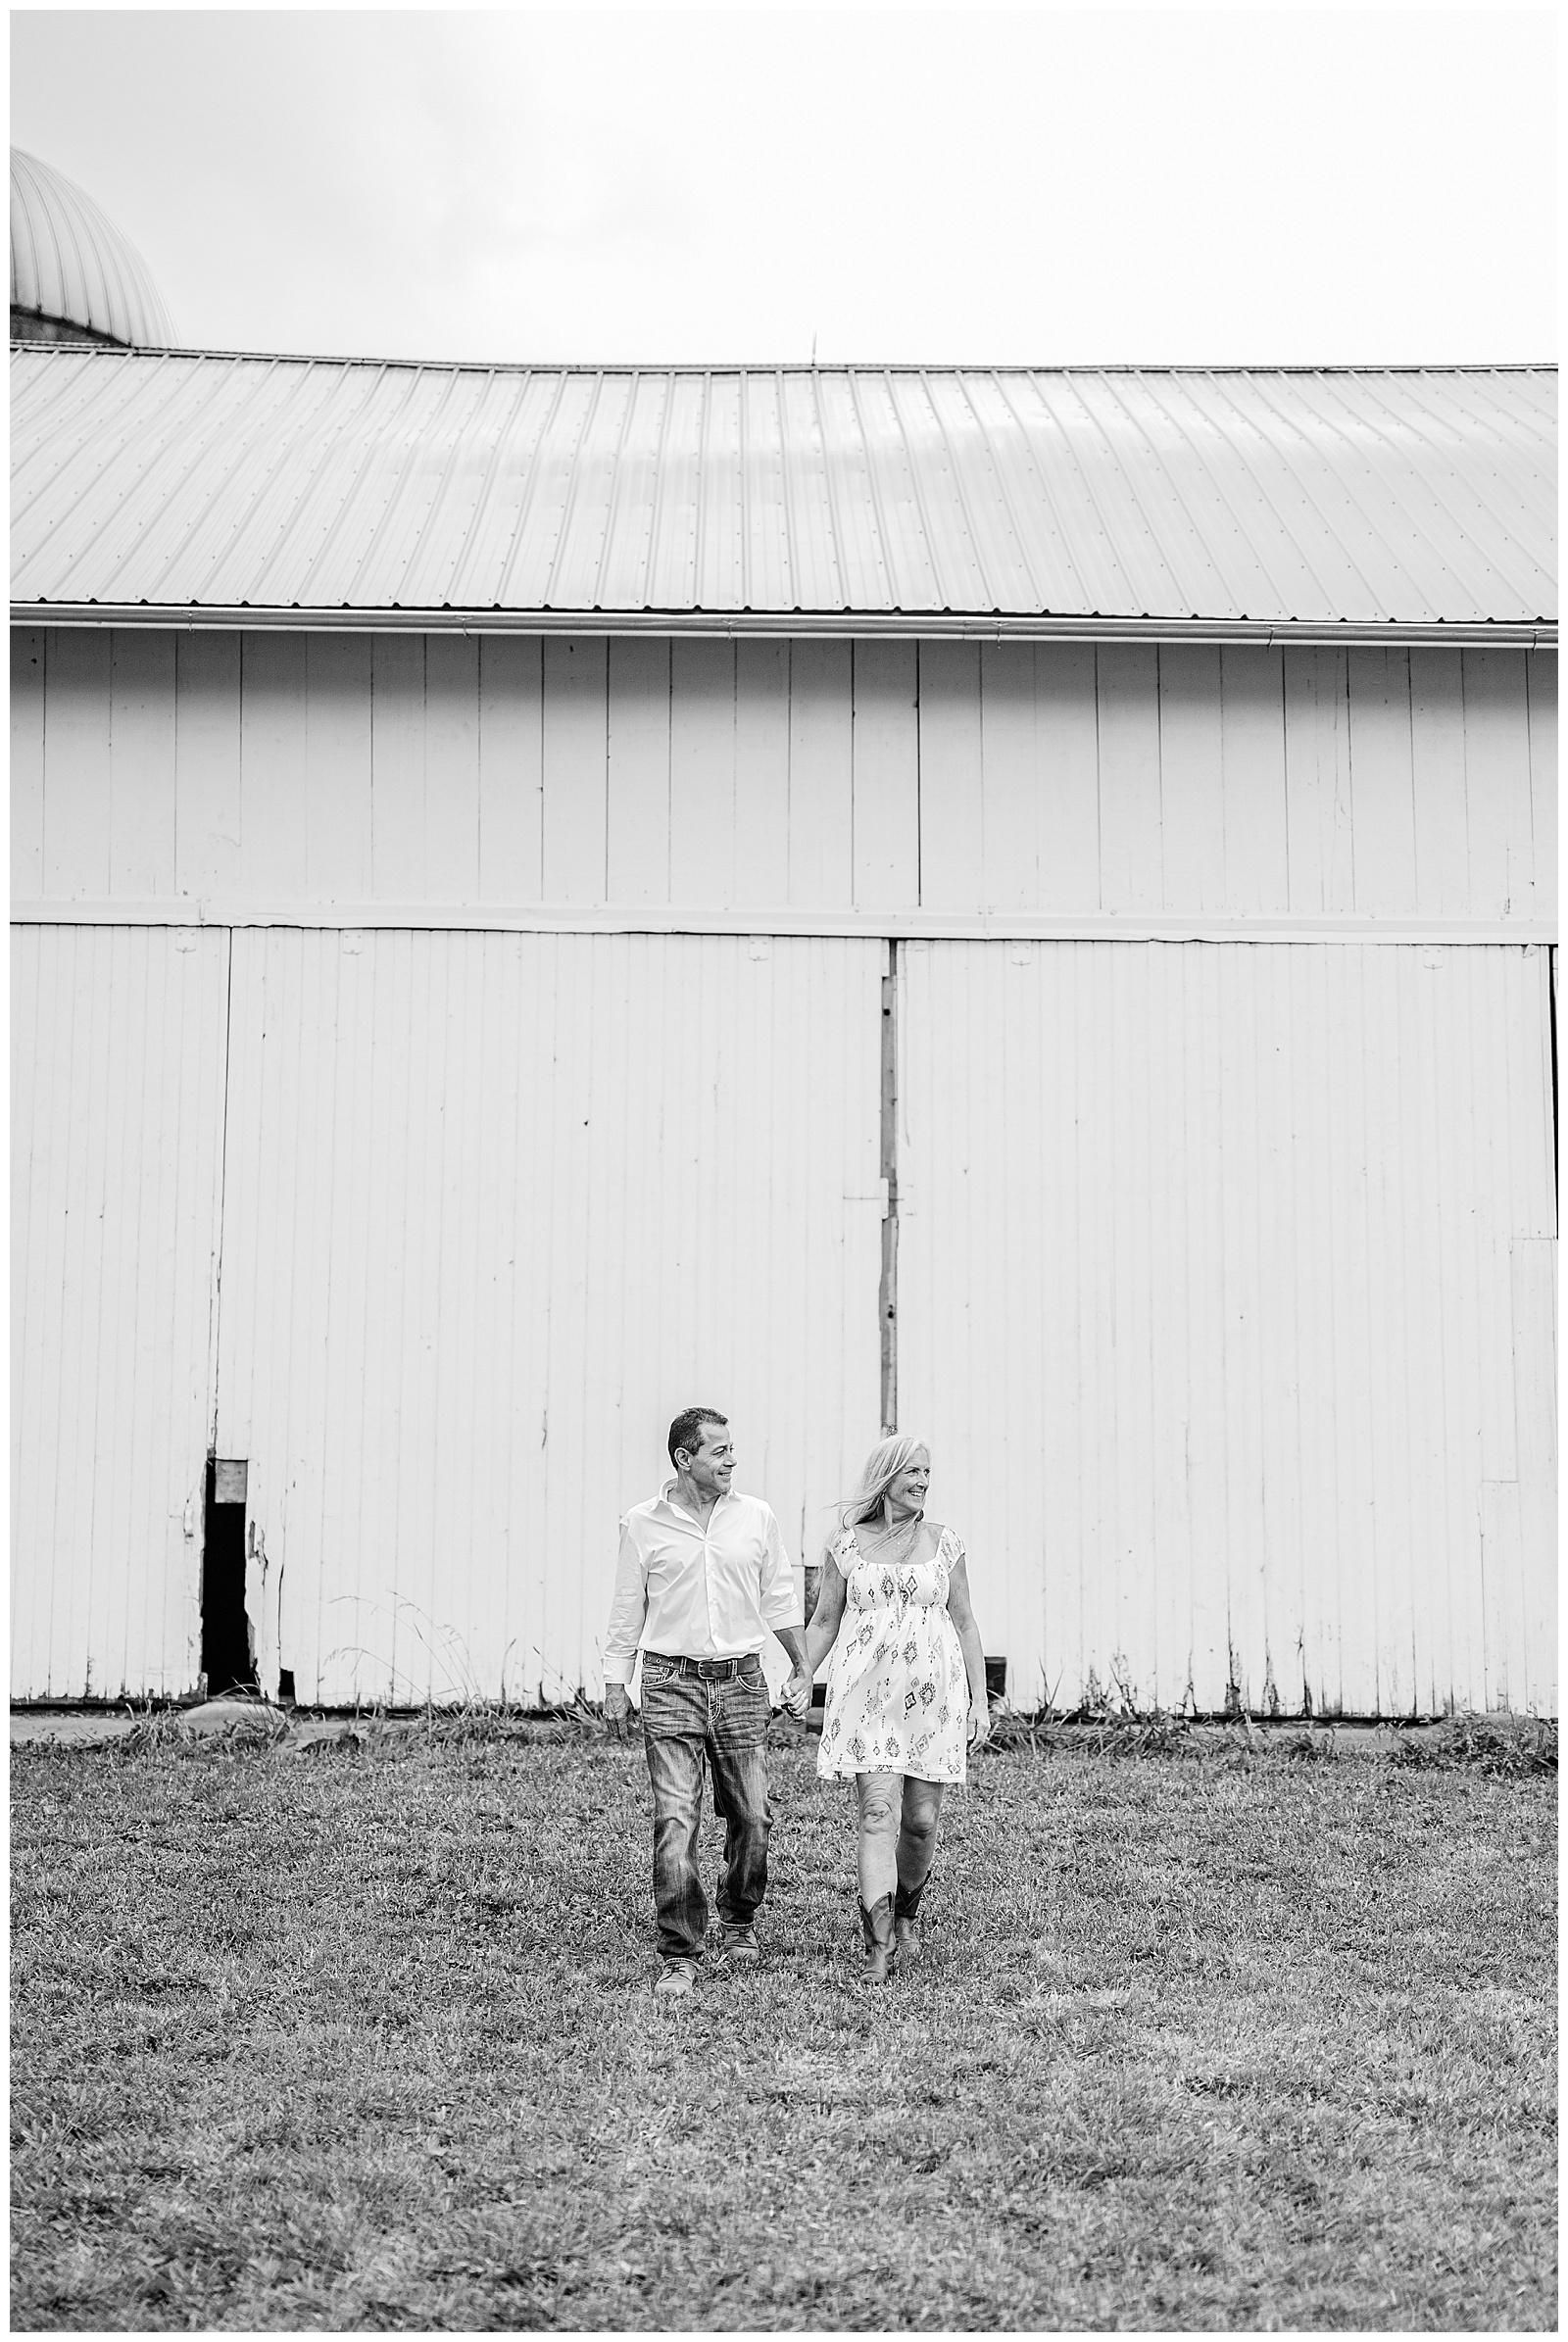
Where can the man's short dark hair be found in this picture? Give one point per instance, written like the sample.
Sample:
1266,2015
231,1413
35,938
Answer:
687,1429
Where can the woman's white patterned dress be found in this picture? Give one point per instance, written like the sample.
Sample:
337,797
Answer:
897,1691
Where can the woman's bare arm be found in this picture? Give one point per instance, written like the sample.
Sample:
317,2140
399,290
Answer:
961,1612
828,1616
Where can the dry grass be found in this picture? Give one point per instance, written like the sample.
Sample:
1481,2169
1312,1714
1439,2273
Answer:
359,2036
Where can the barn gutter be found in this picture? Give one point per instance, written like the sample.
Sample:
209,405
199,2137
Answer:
1337,634
914,925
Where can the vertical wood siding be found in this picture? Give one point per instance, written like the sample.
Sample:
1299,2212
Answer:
209,800
28,650
1226,1299
116,1126
1059,780
497,1208
1227,1294
639,752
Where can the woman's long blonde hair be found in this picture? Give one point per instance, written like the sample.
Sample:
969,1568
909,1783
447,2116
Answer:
883,1465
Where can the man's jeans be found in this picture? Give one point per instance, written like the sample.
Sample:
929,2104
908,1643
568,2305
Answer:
684,1718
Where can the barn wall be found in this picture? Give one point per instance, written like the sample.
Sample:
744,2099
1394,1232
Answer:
1226,1300
1286,1381
118,1041
471,1219
499,1206
849,781
1225,1293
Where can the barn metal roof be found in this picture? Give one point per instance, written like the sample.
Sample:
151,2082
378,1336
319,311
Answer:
248,490
70,262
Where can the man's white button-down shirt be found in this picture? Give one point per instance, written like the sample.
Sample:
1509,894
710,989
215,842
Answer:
697,1593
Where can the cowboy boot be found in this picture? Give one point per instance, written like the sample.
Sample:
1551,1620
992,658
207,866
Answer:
876,1926
905,1903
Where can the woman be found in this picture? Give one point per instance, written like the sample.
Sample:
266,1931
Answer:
906,1690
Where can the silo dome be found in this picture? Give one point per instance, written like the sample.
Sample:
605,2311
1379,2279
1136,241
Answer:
73,276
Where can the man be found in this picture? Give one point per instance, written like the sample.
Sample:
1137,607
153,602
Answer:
703,1577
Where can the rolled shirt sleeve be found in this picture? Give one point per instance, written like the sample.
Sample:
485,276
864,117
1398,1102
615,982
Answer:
629,1609
778,1601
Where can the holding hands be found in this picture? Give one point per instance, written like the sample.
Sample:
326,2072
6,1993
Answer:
797,1694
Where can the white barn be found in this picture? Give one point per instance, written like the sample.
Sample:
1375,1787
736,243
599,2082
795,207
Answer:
1018,903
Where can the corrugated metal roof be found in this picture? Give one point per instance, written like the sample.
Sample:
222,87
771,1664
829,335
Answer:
70,262
218,484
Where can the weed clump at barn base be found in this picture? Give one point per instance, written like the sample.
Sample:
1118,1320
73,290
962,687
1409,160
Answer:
1510,1747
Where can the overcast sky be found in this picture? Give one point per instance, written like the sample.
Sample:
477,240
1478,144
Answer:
1039,185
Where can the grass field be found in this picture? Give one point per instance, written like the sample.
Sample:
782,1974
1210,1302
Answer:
361,2038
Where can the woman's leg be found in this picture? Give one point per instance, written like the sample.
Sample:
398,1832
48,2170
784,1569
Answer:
878,1864
916,1850
917,1837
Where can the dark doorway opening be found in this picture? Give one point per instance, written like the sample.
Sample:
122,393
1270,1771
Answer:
226,1659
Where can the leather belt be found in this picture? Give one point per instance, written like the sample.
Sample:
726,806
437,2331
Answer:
711,1671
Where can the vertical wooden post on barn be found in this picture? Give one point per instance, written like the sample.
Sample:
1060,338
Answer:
888,1303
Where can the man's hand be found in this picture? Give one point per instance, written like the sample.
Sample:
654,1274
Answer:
617,1709
797,1694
